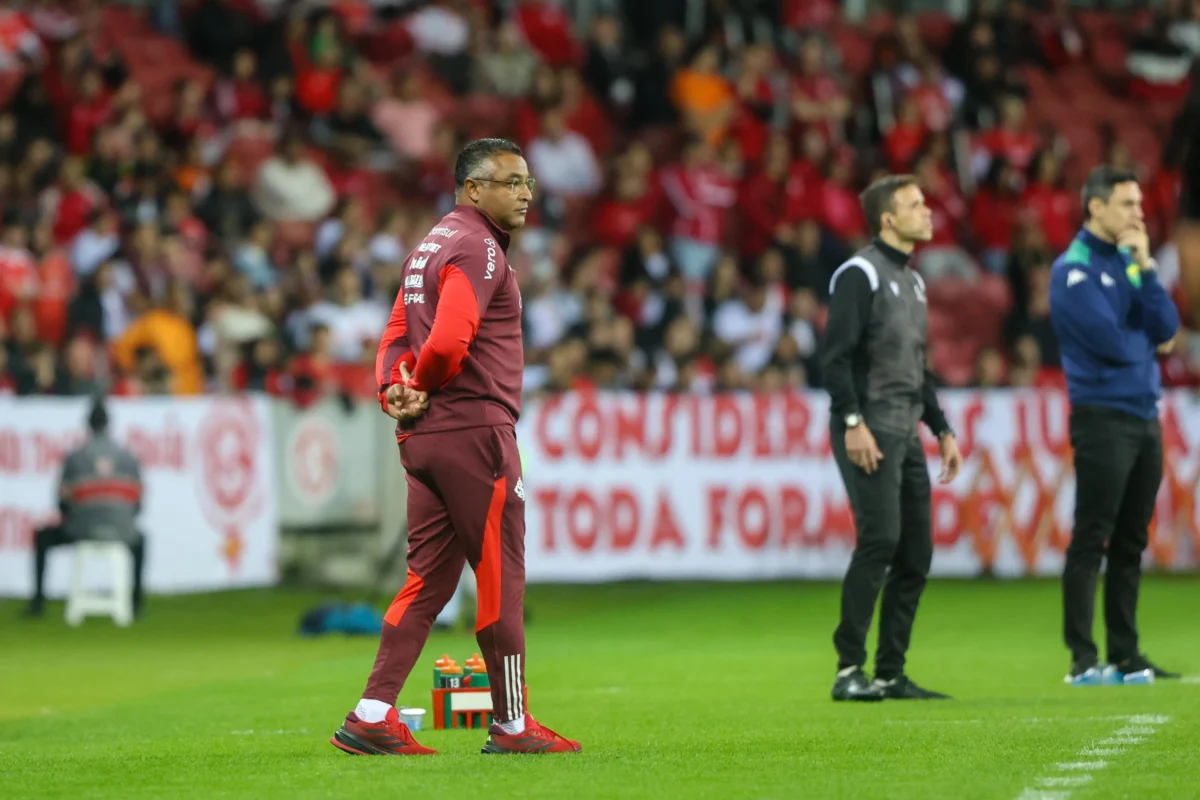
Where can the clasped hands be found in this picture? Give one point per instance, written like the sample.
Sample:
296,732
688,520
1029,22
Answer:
402,402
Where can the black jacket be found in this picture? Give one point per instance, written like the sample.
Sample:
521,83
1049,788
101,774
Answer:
873,352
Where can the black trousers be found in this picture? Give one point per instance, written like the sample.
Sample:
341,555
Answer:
1118,468
893,550
45,539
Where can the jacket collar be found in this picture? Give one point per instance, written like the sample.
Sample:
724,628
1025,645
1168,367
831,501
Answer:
502,236
1095,243
899,257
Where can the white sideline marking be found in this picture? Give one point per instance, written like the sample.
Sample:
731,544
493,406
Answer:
1141,724
1191,679
1149,719
1067,780
281,732
1101,751
1029,720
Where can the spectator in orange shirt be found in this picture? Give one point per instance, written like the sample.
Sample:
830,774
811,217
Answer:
169,331
703,96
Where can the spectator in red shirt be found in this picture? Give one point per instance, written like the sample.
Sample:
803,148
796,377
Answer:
547,28
72,201
817,98
931,98
805,178
755,102
802,15
313,373
7,386
700,195
1162,201
1063,39
240,96
1010,140
585,115
1048,203
318,79
617,218
902,143
994,213
259,371
944,200
55,286
841,212
545,94
18,271
763,201
187,115
88,111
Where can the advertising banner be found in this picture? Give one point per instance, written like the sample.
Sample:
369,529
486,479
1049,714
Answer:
624,486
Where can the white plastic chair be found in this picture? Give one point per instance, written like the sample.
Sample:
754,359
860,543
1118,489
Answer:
117,603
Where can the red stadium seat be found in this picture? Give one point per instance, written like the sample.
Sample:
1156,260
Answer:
948,293
1096,24
942,325
856,50
995,292
1144,144
10,82
1108,55
936,29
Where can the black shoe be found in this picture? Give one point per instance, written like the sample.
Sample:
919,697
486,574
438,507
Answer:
853,685
903,688
1140,663
35,610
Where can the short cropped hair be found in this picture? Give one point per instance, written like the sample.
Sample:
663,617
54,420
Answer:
472,157
1100,184
878,198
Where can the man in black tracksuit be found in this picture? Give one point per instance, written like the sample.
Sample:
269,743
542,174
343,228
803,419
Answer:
880,389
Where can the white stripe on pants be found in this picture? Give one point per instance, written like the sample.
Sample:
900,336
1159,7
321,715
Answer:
512,687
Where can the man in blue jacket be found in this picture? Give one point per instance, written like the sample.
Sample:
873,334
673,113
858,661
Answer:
1112,317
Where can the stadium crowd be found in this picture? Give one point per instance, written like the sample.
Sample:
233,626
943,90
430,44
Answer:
218,195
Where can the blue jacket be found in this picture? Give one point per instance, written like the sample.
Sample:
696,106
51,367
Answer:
1109,316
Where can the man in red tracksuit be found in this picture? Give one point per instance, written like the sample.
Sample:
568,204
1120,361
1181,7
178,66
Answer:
449,368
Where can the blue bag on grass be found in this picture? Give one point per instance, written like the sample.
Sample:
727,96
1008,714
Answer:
358,619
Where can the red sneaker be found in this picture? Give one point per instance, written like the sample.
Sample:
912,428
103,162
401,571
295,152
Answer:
388,738
536,739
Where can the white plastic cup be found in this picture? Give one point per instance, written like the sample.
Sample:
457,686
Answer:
412,717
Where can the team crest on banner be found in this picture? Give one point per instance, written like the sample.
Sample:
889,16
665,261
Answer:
229,487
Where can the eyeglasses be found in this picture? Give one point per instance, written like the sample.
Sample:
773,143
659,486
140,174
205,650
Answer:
514,184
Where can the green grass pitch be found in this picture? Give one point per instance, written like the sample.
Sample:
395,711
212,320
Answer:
675,690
